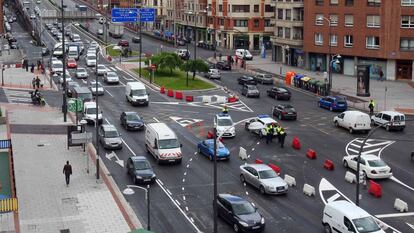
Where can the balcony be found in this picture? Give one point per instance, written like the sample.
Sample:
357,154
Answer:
287,5
288,23
291,42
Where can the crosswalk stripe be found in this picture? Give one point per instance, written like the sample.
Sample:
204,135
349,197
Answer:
112,68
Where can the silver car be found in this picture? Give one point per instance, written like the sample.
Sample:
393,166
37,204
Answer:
81,73
264,178
100,70
213,74
111,77
109,137
92,87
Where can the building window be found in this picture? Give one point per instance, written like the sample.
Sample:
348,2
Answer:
220,8
348,41
319,19
279,13
256,23
407,44
287,33
407,2
241,8
319,2
374,3
349,20
349,2
222,22
334,2
240,23
256,8
267,23
269,8
373,21
318,39
334,40
407,21
372,42
334,20
288,14
280,32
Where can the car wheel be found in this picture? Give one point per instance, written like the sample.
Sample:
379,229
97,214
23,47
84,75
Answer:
199,151
387,128
336,123
345,163
327,228
351,130
372,123
235,227
242,179
262,190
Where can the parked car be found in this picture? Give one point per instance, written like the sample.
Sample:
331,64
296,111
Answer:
264,78
206,148
279,93
221,65
250,91
213,74
371,166
183,54
353,121
284,111
258,124
136,39
123,43
264,178
92,88
140,170
333,103
45,51
131,121
389,120
181,42
246,80
244,54
81,73
109,137
239,213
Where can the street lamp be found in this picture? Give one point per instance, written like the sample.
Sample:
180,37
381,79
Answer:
65,90
130,191
83,122
186,37
213,12
329,52
97,117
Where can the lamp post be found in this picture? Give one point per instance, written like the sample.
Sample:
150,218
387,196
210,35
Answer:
186,37
213,12
333,58
140,41
329,52
130,191
65,90
83,122
97,119
195,43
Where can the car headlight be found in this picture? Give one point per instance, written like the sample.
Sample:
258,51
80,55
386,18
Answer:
243,224
262,221
153,175
139,177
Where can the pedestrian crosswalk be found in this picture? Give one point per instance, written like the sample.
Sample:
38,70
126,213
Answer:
18,96
371,146
235,106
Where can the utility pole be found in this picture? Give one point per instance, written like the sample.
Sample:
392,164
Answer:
195,43
140,40
96,119
65,90
215,213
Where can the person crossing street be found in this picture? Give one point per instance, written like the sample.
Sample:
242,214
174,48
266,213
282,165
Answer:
225,109
371,107
278,129
269,133
282,136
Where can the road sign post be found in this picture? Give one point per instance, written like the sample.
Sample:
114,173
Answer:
147,14
124,15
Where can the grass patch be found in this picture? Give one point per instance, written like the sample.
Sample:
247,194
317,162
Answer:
137,60
115,53
176,81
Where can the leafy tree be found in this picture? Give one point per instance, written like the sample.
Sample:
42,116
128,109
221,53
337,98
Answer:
197,65
169,61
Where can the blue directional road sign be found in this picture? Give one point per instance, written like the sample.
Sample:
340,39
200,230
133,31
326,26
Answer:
124,15
147,14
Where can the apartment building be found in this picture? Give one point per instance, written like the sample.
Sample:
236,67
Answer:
191,19
379,33
240,23
287,41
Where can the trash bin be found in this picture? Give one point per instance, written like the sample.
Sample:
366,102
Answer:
322,88
296,79
305,83
313,85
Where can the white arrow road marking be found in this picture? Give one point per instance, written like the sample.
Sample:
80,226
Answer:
185,121
112,155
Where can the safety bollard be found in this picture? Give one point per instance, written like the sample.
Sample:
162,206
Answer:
350,177
328,164
170,93
189,98
296,143
308,190
210,135
179,95
258,161
275,168
162,90
311,154
400,205
290,180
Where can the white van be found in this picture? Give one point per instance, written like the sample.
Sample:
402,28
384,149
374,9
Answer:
244,54
58,50
136,93
346,217
56,67
395,120
89,113
90,59
73,52
162,143
353,121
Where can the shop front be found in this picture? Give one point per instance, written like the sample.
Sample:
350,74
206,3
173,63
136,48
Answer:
404,69
317,62
241,41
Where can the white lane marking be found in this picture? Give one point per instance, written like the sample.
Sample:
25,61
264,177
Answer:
371,151
394,215
128,79
186,208
333,198
109,93
175,203
160,182
178,202
355,151
123,84
169,192
112,68
400,182
183,198
410,225
155,119
116,67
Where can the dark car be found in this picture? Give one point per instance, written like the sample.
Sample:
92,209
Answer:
333,103
284,111
279,93
250,91
239,213
246,80
140,170
131,121
123,43
71,86
136,39
221,65
45,51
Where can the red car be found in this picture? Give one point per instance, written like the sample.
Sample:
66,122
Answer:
71,63
123,43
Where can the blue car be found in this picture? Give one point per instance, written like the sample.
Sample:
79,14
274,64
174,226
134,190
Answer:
333,103
205,148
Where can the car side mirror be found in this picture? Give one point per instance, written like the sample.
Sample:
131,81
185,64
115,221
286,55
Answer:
148,93
120,135
181,145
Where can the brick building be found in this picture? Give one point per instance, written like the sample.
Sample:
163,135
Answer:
1,19
379,33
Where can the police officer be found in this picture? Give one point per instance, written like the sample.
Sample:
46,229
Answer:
269,133
278,129
282,136
371,107
225,110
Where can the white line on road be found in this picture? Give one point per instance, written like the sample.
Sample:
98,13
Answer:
394,215
400,182
109,93
333,198
118,68
128,147
178,202
169,192
155,119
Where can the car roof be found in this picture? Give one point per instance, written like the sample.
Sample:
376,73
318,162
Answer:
131,113
285,105
370,157
249,85
352,211
108,127
111,72
391,113
231,198
259,167
138,157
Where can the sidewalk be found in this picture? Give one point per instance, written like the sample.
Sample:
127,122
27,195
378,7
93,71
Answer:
389,95
20,78
45,203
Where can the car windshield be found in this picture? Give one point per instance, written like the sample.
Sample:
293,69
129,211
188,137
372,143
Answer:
93,85
282,89
224,122
267,76
111,134
376,163
81,70
267,174
101,67
341,102
139,92
141,165
85,96
112,74
57,65
91,57
91,110
366,225
132,117
168,144
243,208
251,88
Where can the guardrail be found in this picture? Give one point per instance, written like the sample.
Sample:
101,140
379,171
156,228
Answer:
52,14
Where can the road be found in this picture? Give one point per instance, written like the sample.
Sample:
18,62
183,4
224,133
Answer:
182,197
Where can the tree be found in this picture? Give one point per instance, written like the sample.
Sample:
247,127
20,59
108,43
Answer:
197,65
169,61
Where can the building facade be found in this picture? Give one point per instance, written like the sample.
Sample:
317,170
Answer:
287,41
240,23
378,33
191,19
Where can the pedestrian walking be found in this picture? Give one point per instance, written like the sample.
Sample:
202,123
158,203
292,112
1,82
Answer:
26,65
220,56
34,83
225,110
236,58
38,64
381,74
282,136
371,107
32,68
37,82
67,170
